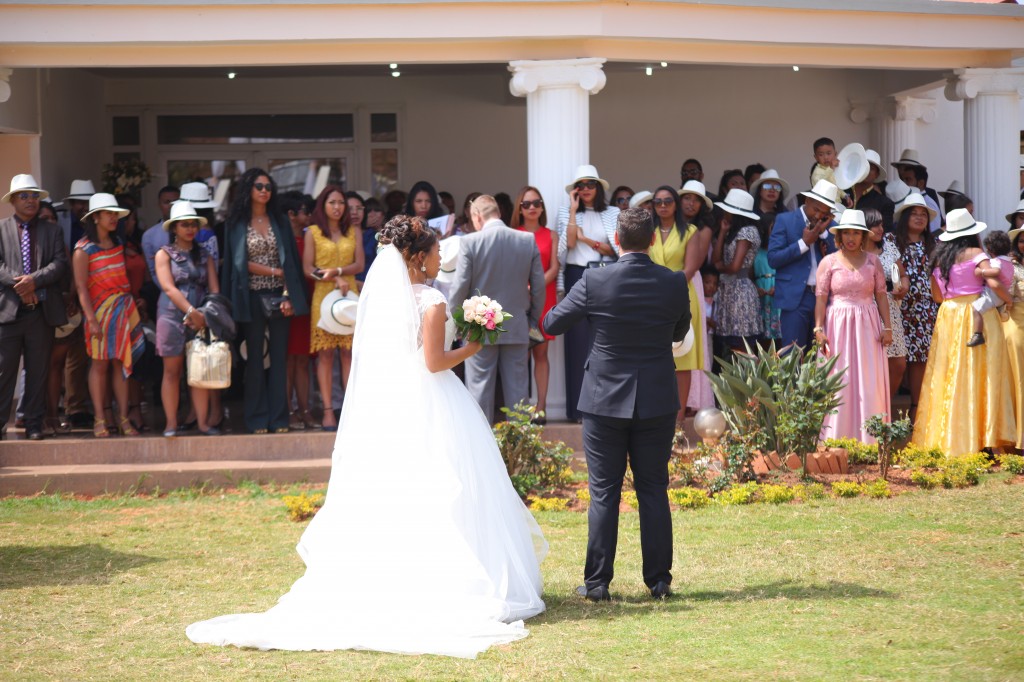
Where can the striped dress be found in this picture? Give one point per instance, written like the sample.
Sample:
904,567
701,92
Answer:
110,293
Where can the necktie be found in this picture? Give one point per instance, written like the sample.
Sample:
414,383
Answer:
26,250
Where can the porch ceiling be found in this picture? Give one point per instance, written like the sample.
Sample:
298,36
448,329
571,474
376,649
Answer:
909,34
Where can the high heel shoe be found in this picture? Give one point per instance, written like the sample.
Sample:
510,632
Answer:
126,427
99,429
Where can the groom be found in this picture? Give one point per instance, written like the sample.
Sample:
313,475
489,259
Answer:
629,398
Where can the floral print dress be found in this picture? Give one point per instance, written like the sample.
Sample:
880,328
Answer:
889,256
918,308
737,305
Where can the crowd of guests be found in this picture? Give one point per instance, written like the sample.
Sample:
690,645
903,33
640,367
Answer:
903,292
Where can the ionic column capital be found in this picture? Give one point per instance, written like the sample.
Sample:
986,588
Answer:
528,76
5,85
895,107
964,84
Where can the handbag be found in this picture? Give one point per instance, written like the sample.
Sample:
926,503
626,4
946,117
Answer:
208,361
272,305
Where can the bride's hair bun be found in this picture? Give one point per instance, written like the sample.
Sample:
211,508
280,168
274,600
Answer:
409,234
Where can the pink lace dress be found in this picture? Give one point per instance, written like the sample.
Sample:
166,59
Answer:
854,331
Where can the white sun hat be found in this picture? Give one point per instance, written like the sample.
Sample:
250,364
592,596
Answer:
198,194
960,223
875,159
908,158
825,192
641,197
955,187
738,202
1019,209
183,210
24,183
851,219
586,172
80,190
338,313
105,202
911,200
697,188
450,247
770,174
853,165
681,348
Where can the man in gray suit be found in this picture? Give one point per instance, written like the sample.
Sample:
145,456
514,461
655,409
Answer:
33,260
504,264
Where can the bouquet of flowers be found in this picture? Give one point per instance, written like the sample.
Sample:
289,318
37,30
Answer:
126,176
480,319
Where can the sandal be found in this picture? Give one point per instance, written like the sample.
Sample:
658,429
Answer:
295,421
281,429
108,414
307,419
126,427
99,429
259,432
139,425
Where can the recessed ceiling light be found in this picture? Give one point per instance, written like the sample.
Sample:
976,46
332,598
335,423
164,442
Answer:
396,74
649,71
796,68
231,74
664,64
392,66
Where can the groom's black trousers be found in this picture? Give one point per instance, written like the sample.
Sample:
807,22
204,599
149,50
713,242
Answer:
647,444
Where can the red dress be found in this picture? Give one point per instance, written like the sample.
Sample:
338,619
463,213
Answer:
544,241
299,330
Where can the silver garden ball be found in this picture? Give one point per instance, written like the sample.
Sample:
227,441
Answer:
709,424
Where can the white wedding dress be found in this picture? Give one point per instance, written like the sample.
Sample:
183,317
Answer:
422,545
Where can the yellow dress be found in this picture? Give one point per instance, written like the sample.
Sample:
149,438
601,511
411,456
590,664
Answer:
672,254
966,397
330,254
1013,330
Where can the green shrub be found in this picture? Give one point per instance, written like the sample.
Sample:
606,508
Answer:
688,498
1012,463
583,494
629,497
878,488
887,433
926,479
846,489
916,456
302,507
548,503
533,464
742,493
810,491
964,471
856,452
777,494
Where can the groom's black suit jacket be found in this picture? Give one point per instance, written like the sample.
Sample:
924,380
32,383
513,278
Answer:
636,309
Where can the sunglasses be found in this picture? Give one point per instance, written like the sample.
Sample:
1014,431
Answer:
622,200
663,202
772,186
260,186
536,203
25,196
586,184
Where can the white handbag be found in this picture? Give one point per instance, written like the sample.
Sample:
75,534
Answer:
208,361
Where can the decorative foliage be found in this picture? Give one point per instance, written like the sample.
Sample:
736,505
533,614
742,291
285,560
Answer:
480,319
878,488
1012,463
533,464
688,498
583,495
548,503
846,489
856,452
915,456
810,491
777,494
629,497
302,507
887,434
125,177
743,493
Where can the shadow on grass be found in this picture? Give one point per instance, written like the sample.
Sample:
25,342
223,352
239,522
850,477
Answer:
573,608
32,566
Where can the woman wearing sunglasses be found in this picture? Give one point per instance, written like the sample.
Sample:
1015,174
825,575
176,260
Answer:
529,215
585,236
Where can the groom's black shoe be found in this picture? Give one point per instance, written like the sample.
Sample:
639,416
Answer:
661,590
599,593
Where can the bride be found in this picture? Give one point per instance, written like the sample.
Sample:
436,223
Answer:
422,545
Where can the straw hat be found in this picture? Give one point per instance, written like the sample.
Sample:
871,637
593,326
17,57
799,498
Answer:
960,223
697,188
105,202
738,202
1012,234
681,348
897,190
851,219
955,187
338,313
1019,209
853,166
81,190
198,194
911,200
65,330
908,158
450,247
640,197
24,183
770,174
586,172
183,210
825,192
876,160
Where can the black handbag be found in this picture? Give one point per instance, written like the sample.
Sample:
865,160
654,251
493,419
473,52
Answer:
272,305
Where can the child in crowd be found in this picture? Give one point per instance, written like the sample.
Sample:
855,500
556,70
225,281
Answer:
709,278
997,271
825,161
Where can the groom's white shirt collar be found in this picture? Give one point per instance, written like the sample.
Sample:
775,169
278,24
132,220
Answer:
493,222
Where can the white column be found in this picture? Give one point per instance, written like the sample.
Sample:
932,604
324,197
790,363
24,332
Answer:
991,99
558,140
894,123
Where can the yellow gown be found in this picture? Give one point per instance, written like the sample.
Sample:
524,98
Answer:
330,254
672,254
1013,330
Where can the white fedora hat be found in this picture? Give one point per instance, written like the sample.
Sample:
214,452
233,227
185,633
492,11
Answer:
81,190
641,197
853,165
908,158
681,348
104,202
24,183
738,202
450,247
960,223
825,192
198,194
697,188
1019,209
1012,234
851,219
875,159
338,313
586,172
911,200
1022,161
955,187
770,174
183,210
897,190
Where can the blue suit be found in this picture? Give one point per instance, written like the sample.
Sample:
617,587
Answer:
792,269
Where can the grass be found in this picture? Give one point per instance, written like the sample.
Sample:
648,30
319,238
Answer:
925,586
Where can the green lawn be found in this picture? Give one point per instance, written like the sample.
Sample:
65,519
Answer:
927,585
